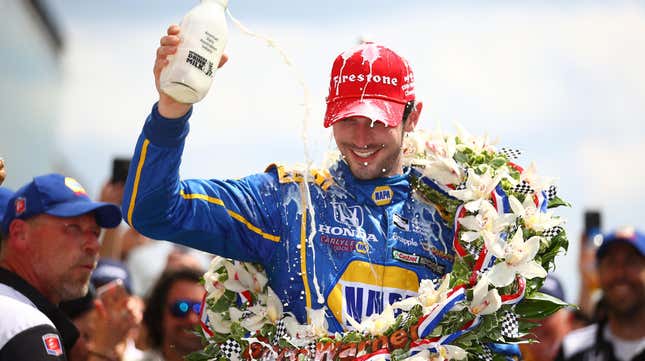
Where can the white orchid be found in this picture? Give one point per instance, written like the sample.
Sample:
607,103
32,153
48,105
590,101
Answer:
274,306
518,258
375,324
212,279
450,352
478,188
533,218
484,301
476,144
537,182
428,297
487,223
441,163
318,321
218,323
434,154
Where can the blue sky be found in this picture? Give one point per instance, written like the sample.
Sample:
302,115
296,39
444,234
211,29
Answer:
564,83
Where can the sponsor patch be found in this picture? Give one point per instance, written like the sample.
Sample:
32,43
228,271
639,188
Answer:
355,233
348,215
405,241
21,205
416,259
52,344
364,288
382,195
442,254
75,186
401,222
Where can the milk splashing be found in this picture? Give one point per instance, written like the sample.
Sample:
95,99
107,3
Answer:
305,124
369,53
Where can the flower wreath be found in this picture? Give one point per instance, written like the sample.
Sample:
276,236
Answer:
505,239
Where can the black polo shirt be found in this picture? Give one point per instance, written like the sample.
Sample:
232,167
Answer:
31,333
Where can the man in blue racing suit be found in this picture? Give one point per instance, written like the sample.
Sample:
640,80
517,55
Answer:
351,238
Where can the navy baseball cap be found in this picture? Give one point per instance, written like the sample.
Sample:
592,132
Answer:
5,194
108,270
552,287
60,196
627,235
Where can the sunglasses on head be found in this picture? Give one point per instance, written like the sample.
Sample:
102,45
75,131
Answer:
181,308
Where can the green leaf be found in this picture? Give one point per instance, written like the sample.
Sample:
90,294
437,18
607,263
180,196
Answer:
539,306
558,202
224,302
460,157
498,162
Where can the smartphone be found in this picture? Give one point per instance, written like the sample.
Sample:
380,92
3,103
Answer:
593,224
112,293
120,167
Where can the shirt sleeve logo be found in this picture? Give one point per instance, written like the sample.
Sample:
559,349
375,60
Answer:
52,344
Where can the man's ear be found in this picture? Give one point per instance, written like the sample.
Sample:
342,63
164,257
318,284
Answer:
413,118
18,234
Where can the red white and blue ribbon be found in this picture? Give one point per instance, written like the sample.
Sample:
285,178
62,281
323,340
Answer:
428,322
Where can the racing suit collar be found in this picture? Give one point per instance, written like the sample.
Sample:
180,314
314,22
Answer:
379,191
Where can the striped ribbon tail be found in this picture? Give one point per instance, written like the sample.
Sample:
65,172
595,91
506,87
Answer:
428,322
461,251
516,297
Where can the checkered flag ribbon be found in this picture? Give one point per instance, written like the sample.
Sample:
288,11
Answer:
471,248
510,326
231,349
511,153
281,329
523,188
311,347
486,355
552,232
551,192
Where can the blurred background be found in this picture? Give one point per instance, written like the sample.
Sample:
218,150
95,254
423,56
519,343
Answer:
564,83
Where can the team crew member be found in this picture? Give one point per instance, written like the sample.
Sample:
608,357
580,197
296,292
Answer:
49,249
363,242
621,335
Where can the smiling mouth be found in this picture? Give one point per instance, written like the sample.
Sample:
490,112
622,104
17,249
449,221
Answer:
364,154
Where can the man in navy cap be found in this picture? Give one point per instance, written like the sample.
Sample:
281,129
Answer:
5,194
49,250
621,335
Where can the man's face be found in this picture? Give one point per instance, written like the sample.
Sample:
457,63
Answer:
371,149
65,252
178,330
622,278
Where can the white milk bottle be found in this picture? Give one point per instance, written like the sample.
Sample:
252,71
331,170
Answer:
203,35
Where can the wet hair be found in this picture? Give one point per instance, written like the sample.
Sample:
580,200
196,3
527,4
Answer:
409,106
158,297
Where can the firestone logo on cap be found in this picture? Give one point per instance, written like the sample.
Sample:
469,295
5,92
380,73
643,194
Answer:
75,186
20,205
369,71
372,81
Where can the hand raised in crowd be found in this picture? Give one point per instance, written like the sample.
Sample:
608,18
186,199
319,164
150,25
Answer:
117,313
168,107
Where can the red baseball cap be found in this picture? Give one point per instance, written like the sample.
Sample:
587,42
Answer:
372,81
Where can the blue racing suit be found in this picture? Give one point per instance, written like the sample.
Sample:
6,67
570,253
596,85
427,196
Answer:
337,242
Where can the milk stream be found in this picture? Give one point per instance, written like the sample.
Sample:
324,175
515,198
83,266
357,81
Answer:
305,126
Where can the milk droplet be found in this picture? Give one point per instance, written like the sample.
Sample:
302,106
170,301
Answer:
365,164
